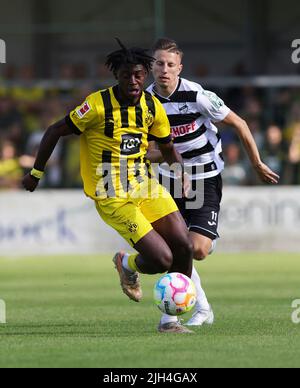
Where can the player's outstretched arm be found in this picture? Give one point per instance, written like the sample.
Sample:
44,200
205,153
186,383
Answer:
241,127
48,143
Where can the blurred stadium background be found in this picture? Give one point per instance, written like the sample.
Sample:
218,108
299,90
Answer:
55,53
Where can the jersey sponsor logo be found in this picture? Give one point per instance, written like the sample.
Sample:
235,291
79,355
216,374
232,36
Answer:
182,130
83,110
131,144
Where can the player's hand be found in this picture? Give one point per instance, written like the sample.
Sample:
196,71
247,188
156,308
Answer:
30,183
266,174
186,185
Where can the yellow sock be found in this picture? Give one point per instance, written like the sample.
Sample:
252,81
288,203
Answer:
132,264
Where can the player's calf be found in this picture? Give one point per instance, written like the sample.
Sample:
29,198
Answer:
183,256
155,256
200,253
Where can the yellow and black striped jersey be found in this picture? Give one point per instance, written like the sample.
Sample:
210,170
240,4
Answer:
114,140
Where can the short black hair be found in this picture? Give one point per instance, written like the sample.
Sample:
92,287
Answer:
130,56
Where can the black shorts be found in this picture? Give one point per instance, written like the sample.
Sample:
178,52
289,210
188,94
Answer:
204,220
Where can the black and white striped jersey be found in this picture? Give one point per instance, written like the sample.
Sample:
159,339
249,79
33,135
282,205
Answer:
192,111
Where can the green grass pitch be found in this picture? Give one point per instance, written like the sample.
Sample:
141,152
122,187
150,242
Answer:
70,312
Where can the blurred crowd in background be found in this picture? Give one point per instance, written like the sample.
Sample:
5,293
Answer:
28,107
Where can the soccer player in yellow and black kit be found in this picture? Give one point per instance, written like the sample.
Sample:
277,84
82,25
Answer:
114,127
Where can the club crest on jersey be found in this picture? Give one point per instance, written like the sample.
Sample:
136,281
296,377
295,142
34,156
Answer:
149,119
83,110
183,107
131,144
132,226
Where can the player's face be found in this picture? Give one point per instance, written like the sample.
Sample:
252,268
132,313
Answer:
166,69
131,82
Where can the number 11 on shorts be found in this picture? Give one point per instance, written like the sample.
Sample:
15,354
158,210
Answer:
214,217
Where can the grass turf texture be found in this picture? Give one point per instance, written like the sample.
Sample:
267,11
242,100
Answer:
70,312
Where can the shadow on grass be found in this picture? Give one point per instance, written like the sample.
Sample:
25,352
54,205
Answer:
89,329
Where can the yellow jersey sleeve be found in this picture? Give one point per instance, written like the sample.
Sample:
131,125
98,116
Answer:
160,130
85,116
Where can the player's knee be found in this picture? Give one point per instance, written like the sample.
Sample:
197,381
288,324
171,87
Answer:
200,253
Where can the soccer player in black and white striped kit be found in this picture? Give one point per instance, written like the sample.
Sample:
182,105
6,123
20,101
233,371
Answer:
192,112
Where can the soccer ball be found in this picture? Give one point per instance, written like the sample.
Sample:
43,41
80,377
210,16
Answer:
175,294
